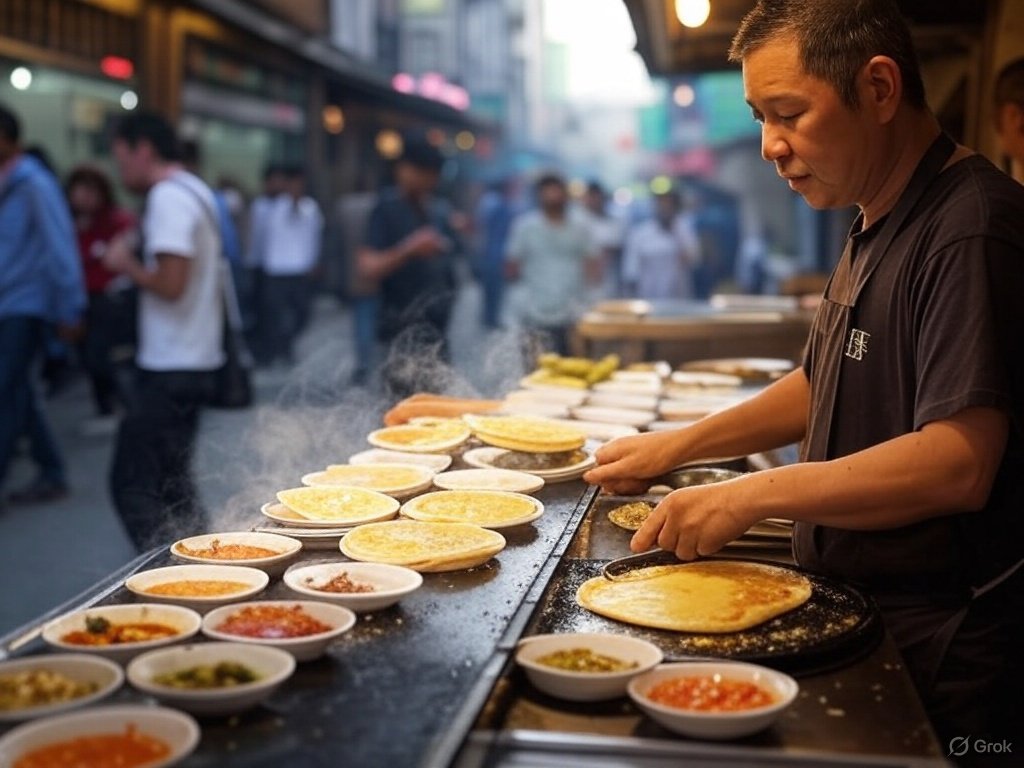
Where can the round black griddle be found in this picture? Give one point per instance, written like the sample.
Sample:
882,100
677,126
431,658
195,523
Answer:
835,627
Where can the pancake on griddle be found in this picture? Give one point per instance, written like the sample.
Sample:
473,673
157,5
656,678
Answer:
707,596
522,433
427,547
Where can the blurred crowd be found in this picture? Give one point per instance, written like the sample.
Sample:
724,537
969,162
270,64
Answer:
160,306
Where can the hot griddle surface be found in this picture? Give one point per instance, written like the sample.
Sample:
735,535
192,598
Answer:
834,628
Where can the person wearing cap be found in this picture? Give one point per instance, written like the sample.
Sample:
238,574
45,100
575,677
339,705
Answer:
409,250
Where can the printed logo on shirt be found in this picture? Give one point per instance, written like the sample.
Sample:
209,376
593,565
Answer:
857,344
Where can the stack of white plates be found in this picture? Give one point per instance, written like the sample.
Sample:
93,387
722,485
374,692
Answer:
629,417
438,462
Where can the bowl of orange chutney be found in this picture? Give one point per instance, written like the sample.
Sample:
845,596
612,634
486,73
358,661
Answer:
103,737
713,699
200,587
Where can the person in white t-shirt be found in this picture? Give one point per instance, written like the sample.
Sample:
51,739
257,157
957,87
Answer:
180,333
661,253
292,234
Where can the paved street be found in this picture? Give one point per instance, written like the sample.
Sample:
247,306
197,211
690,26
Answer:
306,417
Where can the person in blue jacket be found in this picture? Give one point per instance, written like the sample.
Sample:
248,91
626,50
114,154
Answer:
40,285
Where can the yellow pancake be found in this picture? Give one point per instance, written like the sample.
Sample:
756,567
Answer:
427,547
438,435
340,504
490,509
522,433
385,478
707,596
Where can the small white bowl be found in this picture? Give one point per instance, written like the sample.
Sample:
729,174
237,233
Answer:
585,686
715,725
339,618
271,665
185,620
254,579
79,667
178,731
391,583
287,549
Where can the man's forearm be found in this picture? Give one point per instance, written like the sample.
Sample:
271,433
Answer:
774,417
946,467
376,265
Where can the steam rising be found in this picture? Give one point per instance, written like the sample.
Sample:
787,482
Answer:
313,417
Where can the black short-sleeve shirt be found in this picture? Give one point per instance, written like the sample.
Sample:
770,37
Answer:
421,290
933,331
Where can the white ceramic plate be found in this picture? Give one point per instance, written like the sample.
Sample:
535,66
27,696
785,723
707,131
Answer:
480,500
389,439
271,665
254,579
618,400
285,547
438,462
627,416
559,396
484,458
537,408
489,480
545,386
310,538
339,618
175,729
373,477
78,667
278,512
744,367
185,620
705,379
599,430
390,582
649,388
650,378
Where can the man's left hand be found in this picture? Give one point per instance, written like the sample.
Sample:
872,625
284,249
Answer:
693,521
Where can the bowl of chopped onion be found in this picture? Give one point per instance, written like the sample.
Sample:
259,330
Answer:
363,587
585,666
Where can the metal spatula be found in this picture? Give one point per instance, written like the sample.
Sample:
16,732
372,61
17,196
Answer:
620,568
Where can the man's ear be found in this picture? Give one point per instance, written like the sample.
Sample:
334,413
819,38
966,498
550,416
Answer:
880,87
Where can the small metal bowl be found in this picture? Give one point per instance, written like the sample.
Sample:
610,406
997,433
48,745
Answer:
688,477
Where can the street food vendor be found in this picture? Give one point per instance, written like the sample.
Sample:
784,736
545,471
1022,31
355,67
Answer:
909,402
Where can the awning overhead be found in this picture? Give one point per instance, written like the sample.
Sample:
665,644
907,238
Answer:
669,48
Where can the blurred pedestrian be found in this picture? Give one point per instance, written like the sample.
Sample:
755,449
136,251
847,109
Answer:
40,285
293,232
607,234
353,213
180,328
494,215
109,336
1009,98
661,253
256,245
409,249
553,255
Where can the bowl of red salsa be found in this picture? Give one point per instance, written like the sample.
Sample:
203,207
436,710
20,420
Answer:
304,628
713,699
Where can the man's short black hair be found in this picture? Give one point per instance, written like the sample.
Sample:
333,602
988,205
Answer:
594,187
1010,84
420,153
10,126
549,179
151,127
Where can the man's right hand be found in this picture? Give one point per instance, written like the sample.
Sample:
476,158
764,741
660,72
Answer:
629,464
424,242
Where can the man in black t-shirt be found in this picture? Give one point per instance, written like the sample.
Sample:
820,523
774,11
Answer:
910,402
409,250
